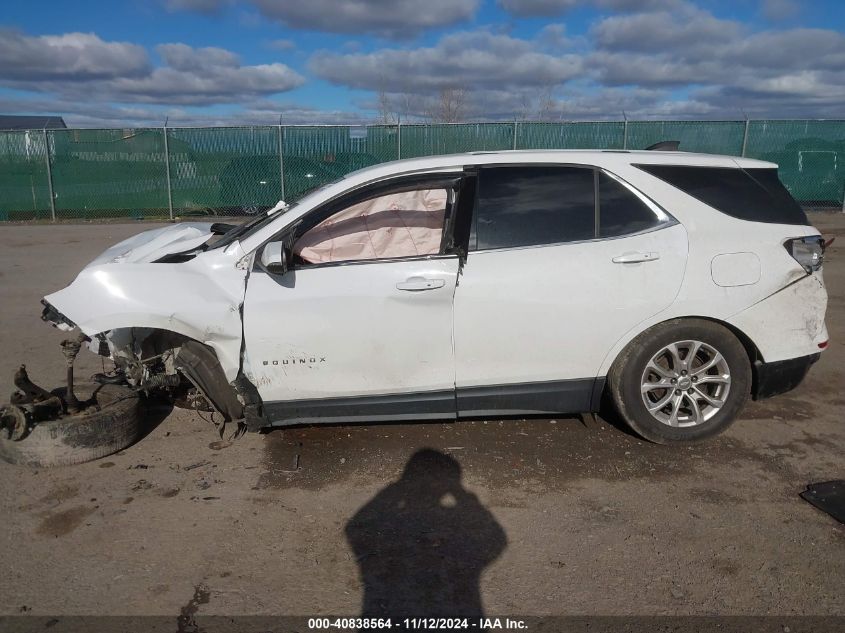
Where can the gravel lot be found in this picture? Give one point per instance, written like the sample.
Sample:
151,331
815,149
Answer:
563,516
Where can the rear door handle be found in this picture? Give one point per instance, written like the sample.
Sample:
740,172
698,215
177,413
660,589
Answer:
420,283
634,258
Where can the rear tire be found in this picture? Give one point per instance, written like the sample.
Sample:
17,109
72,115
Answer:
105,428
684,380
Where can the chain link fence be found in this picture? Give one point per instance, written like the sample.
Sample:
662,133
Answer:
175,172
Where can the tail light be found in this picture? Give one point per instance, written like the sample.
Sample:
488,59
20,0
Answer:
807,251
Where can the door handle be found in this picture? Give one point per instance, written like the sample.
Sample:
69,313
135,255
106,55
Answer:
635,258
420,283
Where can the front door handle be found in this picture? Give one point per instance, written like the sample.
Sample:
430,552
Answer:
635,258
420,283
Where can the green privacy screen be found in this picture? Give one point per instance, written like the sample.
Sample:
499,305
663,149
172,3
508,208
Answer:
157,172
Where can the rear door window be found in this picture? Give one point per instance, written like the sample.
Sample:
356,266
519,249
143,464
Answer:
533,206
747,194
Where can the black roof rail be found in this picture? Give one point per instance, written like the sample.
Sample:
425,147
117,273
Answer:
664,146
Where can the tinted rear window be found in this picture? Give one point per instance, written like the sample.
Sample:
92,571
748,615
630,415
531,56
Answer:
530,206
621,211
748,194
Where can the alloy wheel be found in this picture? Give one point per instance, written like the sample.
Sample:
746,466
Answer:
685,384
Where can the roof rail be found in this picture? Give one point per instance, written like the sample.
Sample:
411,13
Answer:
664,146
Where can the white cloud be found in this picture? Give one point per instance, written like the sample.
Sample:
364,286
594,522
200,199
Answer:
204,76
388,18
779,9
633,60
535,8
207,7
282,45
78,56
467,60
83,66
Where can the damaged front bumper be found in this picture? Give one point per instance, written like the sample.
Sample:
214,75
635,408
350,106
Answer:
55,318
237,400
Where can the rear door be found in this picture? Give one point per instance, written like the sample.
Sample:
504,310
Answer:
563,261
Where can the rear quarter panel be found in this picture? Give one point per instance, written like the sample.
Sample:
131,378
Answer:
712,234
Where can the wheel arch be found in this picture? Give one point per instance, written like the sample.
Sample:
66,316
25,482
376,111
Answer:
196,360
621,386
751,349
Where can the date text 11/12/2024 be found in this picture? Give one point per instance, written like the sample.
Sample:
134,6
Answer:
416,623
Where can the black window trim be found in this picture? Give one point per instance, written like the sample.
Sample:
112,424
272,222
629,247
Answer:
660,225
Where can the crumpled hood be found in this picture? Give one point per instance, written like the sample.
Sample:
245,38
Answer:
156,243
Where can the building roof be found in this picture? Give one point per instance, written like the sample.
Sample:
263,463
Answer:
25,122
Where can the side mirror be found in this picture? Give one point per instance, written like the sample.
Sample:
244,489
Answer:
274,258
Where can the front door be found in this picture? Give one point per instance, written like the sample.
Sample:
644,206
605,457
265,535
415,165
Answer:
360,327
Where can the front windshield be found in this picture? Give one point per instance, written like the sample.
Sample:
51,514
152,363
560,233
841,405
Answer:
258,222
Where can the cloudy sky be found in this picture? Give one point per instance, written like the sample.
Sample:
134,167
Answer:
215,62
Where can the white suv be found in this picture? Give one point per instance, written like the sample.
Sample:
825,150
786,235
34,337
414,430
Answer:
482,284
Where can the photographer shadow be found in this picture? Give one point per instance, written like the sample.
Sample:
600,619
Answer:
422,543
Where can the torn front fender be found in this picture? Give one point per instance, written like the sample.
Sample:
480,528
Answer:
199,298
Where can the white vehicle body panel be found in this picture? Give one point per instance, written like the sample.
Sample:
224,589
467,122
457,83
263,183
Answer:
347,330
552,312
200,298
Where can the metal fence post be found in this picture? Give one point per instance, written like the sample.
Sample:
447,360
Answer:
399,138
515,124
167,173
745,137
281,162
49,176
625,135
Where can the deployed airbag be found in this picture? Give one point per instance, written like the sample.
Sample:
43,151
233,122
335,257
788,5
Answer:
395,225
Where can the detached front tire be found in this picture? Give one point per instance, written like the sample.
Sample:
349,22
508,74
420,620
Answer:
684,380
110,423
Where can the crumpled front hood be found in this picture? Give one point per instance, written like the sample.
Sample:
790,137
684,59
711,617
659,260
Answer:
156,243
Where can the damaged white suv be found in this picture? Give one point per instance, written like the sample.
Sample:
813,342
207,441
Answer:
669,285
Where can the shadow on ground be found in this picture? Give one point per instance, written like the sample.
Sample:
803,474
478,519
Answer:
422,542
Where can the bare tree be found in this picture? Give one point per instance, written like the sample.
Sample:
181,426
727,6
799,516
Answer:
386,108
536,106
545,104
447,107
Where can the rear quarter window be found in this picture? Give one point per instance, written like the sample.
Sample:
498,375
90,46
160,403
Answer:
621,212
747,194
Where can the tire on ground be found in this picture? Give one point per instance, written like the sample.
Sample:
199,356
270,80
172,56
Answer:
113,424
624,379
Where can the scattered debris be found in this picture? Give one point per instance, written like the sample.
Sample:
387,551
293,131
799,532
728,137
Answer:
828,496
